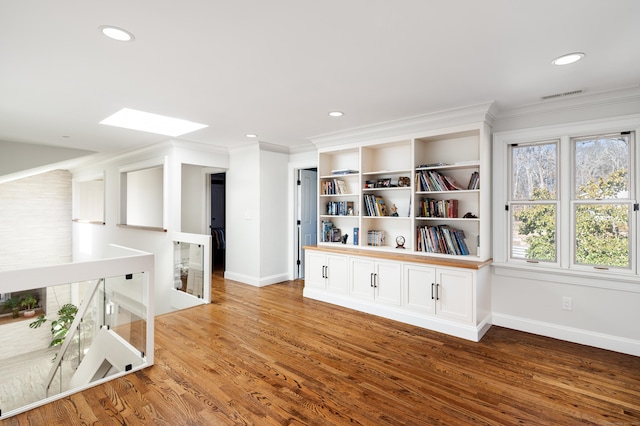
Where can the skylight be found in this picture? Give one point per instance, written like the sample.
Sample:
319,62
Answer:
152,123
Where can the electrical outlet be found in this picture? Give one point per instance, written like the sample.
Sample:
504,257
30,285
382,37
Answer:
567,303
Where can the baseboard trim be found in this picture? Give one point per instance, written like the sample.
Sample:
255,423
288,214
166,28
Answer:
256,281
570,334
464,331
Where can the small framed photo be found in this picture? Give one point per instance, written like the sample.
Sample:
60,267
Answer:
384,183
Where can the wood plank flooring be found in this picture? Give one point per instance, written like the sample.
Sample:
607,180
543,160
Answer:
266,356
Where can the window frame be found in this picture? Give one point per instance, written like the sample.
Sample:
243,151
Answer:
511,202
630,202
565,267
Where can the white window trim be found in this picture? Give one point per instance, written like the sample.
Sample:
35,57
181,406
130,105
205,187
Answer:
501,161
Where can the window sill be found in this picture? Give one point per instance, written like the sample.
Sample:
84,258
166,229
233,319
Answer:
598,279
90,222
144,228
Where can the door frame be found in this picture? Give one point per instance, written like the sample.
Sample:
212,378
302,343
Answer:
294,202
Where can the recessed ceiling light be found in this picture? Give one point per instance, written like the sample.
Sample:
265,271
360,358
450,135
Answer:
251,135
152,123
568,58
336,114
116,33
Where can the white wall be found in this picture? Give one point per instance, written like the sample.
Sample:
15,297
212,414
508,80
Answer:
193,199
243,215
35,221
145,202
273,216
256,221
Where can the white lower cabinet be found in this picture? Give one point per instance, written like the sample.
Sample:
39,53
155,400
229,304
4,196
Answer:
444,292
446,298
374,280
326,271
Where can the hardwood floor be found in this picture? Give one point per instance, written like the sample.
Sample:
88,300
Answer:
266,356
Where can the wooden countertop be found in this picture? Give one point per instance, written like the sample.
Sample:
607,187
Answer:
406,256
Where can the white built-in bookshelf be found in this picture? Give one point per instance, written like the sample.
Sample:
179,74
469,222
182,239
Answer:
429,188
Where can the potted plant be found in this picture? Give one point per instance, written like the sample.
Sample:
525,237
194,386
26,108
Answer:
29,303
59,327
13,303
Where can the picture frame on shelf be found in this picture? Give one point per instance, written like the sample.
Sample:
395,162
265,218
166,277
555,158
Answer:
383,183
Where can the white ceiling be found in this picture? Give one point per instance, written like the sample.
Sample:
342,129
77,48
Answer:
276,68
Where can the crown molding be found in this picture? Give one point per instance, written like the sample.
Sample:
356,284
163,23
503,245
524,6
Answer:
478,113
574,108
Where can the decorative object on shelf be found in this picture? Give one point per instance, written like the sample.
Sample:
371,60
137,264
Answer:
345,237
370,184
470,215
400,242
383,183
336,235
394,211
404,181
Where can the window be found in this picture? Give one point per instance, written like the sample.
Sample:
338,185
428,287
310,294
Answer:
568,198
601,204
534,201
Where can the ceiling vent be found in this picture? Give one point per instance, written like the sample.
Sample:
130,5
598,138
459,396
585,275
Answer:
560,95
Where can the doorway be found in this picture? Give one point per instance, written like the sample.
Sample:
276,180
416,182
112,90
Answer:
217,225
306,215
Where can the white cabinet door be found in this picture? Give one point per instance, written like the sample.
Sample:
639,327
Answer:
337,274
362,270
419,288
388,283
315,269
454,294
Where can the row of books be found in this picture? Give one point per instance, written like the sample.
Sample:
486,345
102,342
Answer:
333,187
431,180
474,182
441,239
375,205
330,234
375,238
438,208
340,208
